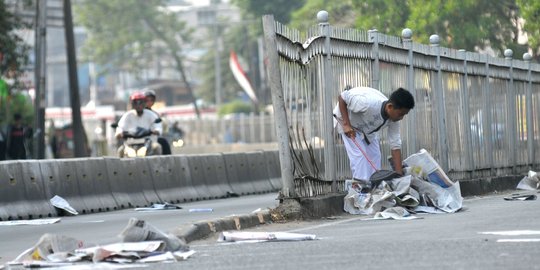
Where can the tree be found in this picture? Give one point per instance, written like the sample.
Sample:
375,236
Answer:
341,13
131,34
13,51
241,37
530,12
461,24
13,56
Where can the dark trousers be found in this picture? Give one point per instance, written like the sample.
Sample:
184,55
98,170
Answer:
165,146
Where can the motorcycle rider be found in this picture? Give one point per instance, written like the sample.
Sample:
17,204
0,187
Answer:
150,100
139,117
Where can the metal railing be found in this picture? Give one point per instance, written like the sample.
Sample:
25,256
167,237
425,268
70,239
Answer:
476,114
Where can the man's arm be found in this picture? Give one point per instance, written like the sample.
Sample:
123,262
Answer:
396,159
346,123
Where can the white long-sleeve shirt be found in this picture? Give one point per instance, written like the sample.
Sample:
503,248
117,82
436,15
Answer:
365,106
130,121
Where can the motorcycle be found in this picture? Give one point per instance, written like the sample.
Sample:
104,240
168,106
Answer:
137,144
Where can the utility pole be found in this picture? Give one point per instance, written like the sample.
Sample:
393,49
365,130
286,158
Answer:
79,136
41,83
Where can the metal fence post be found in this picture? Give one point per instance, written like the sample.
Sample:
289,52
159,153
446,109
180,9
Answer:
412,138
280,114
530,125
466,124
327,95
374,37
441,111
486,117
511,95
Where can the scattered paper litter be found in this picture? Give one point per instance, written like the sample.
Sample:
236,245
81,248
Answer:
521,197
398,213
139,230
529,182
61,203
159,206
264,236
142,243
42,221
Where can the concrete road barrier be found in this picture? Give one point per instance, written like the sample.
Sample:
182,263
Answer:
208,174
126,188
34,184
60,178
94,184
274,168
236,166
258,172
22,196
167,178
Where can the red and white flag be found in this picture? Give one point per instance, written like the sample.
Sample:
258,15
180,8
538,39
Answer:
241,77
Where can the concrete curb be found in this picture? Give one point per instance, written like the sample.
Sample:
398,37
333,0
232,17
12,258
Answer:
204,229
318,207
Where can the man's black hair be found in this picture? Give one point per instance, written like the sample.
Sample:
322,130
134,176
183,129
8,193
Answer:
402,98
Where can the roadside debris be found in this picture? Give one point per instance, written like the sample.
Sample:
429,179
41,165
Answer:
159,206
424,188
141,243
139,230
530,182
42,221
521,197
194,210
61,203
397,212
242,236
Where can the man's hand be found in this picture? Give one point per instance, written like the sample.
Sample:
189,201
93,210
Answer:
155,132
349,131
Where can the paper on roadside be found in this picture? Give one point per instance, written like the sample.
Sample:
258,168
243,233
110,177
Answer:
47,245
530,182
61,203
263,236
520,197
139,230
397,212
62,251
42,221
168,256
159,206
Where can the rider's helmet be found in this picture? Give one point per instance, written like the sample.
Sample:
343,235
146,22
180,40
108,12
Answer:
137,98
150,93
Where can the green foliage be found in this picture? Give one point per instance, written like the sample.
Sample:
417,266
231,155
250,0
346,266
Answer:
12,48
16,103
341,13
465,24
236,106
461,24
129,35
242,39
255,9
530,12
237,39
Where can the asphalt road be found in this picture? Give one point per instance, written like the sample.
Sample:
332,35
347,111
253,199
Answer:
437,241
441,241
103,228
